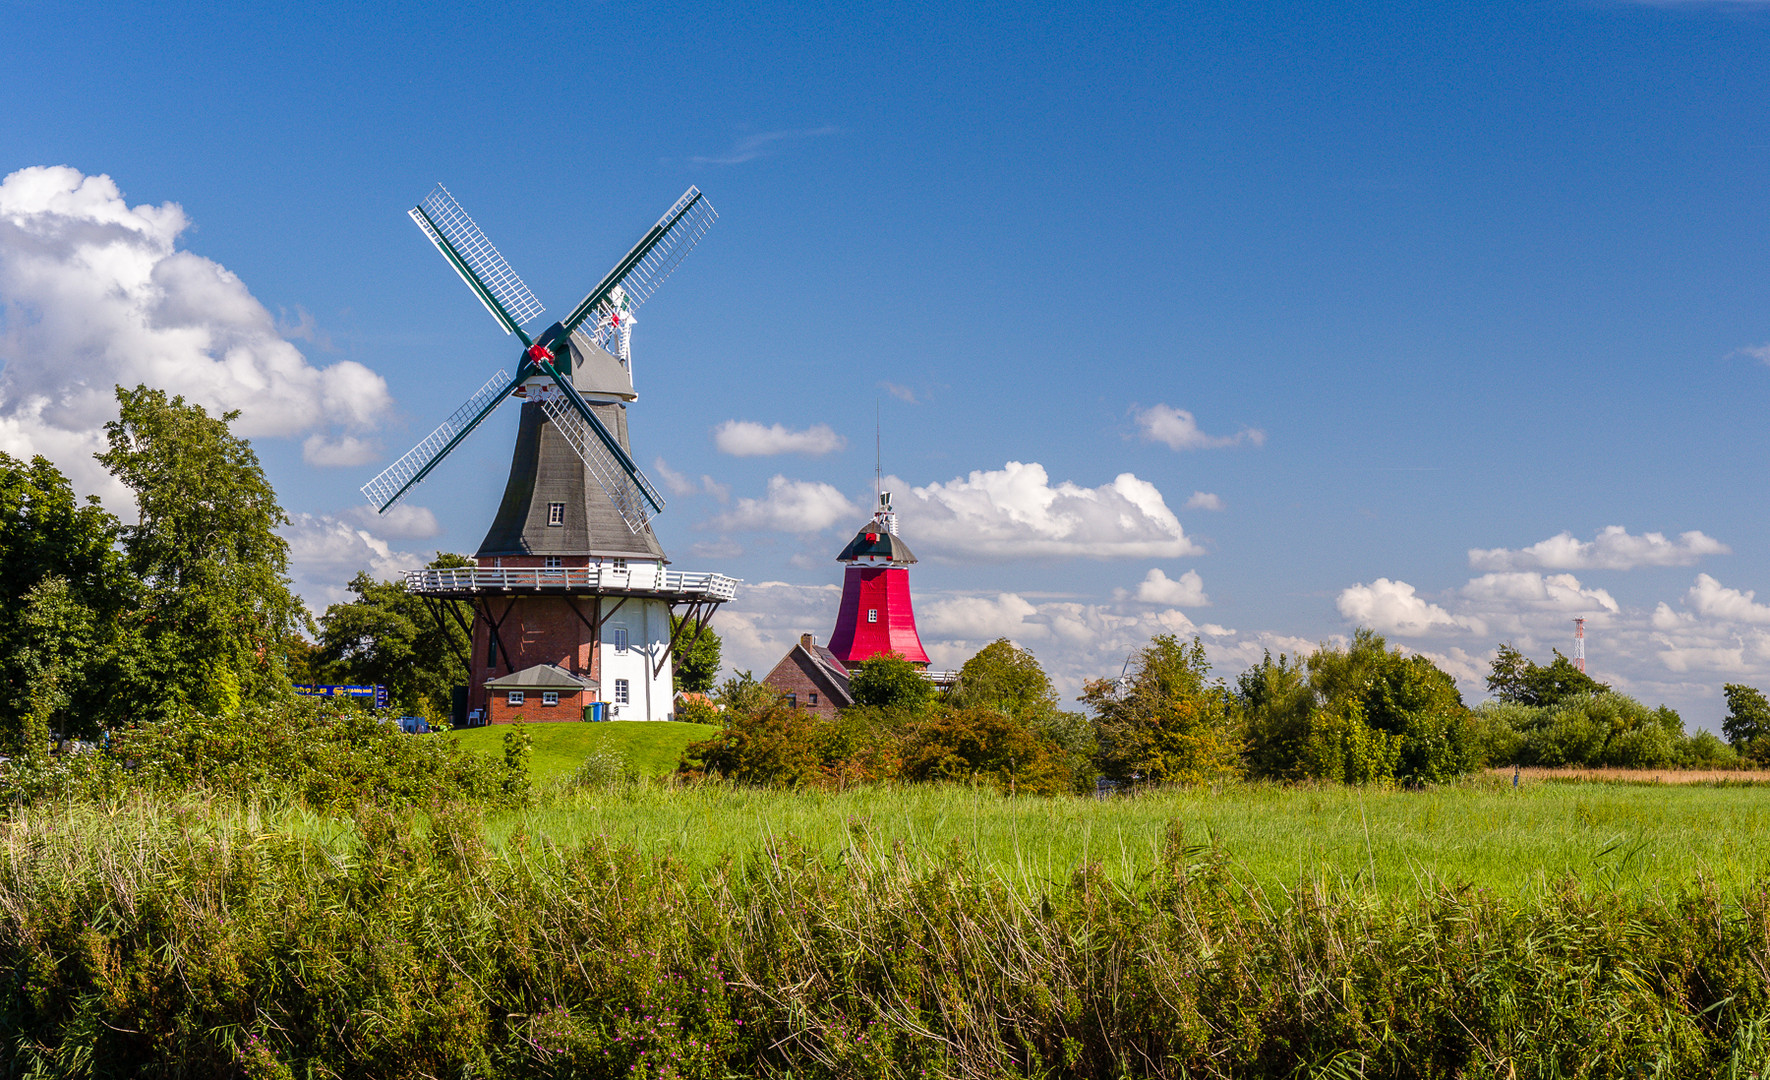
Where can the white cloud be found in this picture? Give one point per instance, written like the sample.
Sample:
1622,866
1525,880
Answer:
746,438
980,618
1393,607
1016,512
901,393
722,548
325,552
1713,600
1180,431
1614,548
1203,500
95,293
339,451
1186,591
404,521
794,506
674,482
1557,592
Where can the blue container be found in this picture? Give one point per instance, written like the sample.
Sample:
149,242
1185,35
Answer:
593,712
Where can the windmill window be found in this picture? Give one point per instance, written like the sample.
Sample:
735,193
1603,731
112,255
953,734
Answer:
549,697
872,614
492,650
556,513
515,697
620,564
554,562
618,638
620,691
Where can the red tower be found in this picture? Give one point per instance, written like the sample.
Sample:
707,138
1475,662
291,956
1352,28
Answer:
876,615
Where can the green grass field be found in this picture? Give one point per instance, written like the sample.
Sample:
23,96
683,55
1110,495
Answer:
649,748
1620,837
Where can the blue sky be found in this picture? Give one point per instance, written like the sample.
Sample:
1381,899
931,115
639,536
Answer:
1434,283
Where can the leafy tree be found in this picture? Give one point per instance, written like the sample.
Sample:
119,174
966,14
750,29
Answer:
47,534
217,612
386,635
1005,677
987,745
742,693
1169,724
1407,698
696,660
888,681
1278,705
1748,715
1512,677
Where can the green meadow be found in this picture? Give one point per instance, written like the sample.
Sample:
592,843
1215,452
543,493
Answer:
1619,837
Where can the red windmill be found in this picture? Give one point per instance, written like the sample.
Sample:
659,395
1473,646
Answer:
876,615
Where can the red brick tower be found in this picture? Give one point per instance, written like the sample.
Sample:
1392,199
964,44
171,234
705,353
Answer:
876,615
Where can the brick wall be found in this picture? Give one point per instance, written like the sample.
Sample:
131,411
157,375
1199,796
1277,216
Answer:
538,630
793,675
570,707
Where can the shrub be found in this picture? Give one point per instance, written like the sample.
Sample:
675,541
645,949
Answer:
888,681
318,753
696,709
773,746
986,745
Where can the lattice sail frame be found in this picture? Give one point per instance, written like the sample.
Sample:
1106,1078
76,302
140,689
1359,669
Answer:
684,224
629,492
398,478
438,212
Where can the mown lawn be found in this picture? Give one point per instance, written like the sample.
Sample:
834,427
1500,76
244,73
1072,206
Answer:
1612,837
651,748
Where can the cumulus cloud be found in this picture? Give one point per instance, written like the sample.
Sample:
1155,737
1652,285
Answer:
1711,599
1394,607
1561,593
95,293
981,618
746,438
404,521
1614,548
1186,591
794,506
339,451
1016,512
1203,500
901,393
1180,431
326,551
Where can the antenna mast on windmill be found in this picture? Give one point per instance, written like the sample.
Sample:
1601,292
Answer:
571,548
1579,645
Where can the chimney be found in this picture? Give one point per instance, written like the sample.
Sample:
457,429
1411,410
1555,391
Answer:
807,643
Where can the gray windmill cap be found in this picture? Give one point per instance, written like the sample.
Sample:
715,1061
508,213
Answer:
874,540
596,371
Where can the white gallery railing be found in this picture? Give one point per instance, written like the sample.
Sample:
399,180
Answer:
573,579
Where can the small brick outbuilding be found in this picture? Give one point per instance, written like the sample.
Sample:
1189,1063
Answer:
538,694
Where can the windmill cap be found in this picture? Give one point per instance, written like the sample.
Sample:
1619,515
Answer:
874,542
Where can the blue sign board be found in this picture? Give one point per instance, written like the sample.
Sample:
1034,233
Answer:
377,692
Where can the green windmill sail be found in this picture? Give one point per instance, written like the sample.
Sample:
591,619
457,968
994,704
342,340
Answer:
591,342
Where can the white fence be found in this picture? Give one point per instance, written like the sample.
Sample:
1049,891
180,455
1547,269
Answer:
652,578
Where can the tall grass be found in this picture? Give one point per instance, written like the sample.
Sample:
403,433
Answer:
1485,833
205,939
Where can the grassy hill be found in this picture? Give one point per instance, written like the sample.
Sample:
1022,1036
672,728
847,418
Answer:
650,748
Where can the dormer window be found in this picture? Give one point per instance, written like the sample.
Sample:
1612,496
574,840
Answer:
555,513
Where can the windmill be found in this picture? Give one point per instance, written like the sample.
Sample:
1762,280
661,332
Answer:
570,593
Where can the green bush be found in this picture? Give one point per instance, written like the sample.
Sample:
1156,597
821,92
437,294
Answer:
988,746
318,753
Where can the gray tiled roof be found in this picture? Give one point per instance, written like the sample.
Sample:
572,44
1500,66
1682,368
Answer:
541,677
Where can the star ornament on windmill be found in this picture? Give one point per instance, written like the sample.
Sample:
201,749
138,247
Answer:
570,564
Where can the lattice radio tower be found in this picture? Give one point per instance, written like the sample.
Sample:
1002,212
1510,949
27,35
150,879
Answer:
1579,645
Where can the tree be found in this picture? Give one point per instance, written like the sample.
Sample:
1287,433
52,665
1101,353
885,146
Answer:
386,635
696,660
888,681
1277,703
1169,724
1005,677
1409,699
988,745
48,535
216,611
1512,677
1748,717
